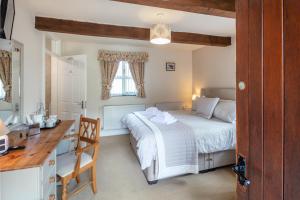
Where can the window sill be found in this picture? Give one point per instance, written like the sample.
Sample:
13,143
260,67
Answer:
125,95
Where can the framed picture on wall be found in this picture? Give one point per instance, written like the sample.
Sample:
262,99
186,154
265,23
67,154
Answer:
170,66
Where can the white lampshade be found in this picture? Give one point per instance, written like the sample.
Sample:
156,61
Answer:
194,97
160,34
3,129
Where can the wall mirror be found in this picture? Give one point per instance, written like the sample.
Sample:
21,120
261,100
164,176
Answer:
11,67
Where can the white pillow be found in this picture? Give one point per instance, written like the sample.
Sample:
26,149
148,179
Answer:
206,106
226,111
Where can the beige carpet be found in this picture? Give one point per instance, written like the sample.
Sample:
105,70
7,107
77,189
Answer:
120,178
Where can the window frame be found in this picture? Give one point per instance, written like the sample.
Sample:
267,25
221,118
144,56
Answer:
123,78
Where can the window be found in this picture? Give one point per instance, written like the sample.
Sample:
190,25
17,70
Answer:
2,92
123,84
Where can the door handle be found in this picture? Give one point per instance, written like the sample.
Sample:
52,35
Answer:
240,170
82,104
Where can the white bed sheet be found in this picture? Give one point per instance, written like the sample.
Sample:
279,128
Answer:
212,135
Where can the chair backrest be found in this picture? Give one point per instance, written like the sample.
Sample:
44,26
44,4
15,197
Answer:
89,129
89,132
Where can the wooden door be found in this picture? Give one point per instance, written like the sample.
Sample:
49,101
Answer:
72,86
268,107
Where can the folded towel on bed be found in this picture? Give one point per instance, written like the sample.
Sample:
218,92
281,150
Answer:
150,112
163,118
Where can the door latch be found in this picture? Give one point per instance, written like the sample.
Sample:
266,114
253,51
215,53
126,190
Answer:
240,170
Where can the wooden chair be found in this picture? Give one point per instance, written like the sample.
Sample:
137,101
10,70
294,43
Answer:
72,164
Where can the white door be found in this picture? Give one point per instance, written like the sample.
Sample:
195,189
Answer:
72,88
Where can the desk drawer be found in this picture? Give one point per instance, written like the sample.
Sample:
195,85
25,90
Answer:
49,183
49,177
50,164
51,193
72,129
65,146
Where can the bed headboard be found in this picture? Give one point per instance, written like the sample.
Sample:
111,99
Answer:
170,105
222,93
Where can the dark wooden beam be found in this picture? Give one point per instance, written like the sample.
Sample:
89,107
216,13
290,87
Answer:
90,29
200,39
222,8
125,32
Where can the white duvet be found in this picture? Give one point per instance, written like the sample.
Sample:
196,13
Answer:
212,135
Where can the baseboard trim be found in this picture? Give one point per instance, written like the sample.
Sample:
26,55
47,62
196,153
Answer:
105,133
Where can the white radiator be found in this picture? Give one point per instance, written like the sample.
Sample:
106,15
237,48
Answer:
113,115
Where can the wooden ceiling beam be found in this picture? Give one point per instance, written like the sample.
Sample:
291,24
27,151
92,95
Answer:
125,32
222,8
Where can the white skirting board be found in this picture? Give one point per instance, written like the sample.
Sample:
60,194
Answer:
112,115
105,133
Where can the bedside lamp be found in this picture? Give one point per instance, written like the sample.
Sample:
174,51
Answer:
3,138
194,97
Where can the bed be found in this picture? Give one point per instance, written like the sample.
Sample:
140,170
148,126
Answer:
215,139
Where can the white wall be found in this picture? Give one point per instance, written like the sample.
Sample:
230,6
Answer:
159,85
32,40
211,66
214,67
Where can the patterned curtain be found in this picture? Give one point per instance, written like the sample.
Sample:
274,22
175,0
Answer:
108,72
137,70
6,73
109,69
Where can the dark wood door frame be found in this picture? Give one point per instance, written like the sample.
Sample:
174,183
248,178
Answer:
268,61
291,161
273,111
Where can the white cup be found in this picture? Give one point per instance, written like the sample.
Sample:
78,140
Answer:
50,123
39,119
53,117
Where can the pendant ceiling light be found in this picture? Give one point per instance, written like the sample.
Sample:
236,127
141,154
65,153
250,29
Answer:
160,33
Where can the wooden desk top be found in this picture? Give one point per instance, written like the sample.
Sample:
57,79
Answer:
37,150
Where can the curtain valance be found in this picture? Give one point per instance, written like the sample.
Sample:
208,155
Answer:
116,56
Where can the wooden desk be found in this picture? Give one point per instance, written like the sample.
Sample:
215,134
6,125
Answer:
32,166
38,148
